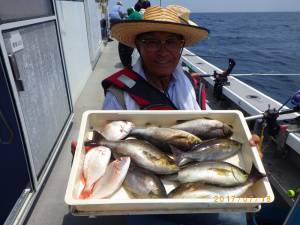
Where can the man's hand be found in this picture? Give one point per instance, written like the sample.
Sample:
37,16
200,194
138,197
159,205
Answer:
255,141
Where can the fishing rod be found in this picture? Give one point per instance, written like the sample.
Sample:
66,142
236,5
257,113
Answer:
273,113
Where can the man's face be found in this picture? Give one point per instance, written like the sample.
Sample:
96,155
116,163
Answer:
160,52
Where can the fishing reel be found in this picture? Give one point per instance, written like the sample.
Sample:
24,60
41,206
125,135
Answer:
270,116
277,131
295,100
221,79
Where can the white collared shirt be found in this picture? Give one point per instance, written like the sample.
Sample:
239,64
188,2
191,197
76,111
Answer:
180,91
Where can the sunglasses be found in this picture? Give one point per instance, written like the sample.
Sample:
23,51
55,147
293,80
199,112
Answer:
172,44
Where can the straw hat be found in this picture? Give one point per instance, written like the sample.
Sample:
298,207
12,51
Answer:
173,20
183,13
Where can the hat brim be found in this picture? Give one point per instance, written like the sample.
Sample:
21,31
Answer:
126,31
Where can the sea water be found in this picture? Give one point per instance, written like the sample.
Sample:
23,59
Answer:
263,43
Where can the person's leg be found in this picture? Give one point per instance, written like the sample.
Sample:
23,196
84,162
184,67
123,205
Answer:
125,53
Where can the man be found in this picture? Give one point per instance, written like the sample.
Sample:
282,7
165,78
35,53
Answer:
157,81
116,14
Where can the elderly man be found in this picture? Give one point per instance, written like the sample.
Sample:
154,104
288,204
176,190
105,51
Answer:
157,81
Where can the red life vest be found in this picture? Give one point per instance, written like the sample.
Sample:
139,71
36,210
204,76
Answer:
143,93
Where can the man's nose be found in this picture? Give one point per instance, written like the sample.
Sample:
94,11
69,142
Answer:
162,47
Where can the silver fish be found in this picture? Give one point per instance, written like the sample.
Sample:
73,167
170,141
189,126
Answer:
212,172
112,180
94,166
205,128
141,153
140,183
202,190
216,149
116,130
167,136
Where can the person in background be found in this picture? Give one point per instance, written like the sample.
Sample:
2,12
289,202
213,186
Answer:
117,13
104,33
138,5
133,14
145,4
125,52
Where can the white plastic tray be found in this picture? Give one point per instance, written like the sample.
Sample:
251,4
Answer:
121,204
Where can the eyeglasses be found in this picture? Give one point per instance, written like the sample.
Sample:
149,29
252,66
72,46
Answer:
171,44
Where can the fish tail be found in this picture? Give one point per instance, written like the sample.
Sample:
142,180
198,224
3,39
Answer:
96,139
227,130
255,174
85,194
178,155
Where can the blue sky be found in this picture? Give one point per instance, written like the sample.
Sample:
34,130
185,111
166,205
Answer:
226,5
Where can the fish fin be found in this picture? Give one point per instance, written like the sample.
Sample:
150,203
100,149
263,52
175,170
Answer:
169,177
181,121
255,174
148,124
178,155
84,194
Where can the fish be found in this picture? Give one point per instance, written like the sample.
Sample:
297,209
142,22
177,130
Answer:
116,130
140,183
94,166
142,153
161,136
211,172
203,190
215,149
112,180
205,128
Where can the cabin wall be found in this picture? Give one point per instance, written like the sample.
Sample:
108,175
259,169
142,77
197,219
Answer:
33,86
93,18
72,23
79,22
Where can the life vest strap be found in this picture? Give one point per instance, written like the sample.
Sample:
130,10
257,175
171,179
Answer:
143,93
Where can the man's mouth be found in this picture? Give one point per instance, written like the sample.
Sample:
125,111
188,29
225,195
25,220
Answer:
161,62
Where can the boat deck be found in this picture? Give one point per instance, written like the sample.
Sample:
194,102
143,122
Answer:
50,208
